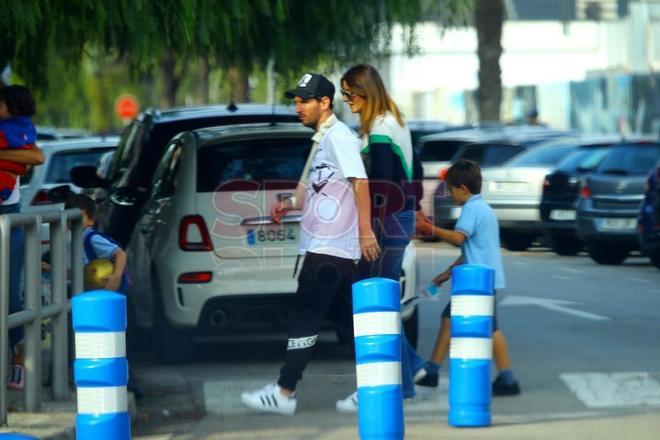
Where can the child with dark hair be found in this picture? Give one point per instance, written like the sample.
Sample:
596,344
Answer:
477,232
17,107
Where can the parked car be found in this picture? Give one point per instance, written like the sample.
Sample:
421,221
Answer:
205,256
60,158
561,189
141,146
648,226
610,200
488,145
514,191
488,155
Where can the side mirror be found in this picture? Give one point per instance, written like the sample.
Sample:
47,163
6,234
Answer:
86,177
59,194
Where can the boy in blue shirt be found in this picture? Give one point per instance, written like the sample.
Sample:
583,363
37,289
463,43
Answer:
477,233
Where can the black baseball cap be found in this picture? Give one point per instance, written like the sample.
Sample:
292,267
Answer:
312,85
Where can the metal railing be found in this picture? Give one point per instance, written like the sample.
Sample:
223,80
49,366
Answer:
33,314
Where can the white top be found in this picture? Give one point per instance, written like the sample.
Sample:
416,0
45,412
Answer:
15,196
330,217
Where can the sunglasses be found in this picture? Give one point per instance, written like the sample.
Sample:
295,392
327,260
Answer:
349,94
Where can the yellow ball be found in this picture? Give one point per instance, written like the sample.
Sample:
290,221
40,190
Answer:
97,273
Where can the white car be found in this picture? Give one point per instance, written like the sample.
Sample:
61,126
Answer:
60,158
514,191
205,256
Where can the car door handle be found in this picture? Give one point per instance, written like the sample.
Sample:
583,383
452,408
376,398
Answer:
267,220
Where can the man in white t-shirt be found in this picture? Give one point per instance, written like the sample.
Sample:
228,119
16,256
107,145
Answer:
333,194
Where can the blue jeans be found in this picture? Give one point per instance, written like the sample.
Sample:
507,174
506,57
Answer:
16,256
394,232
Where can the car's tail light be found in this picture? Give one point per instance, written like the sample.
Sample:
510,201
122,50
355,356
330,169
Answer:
42,198
442,174
193,234
585,192
195,277
546,184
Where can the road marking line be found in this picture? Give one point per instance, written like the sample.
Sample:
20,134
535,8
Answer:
558,305
610,390
566,269
562,277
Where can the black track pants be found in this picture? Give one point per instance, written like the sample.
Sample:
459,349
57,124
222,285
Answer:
324,283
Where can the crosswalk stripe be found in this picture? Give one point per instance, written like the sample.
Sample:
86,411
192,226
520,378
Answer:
616,389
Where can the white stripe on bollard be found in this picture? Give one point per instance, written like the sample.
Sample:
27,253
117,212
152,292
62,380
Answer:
471,305
470,348
102,400
378,373
376,323
101,345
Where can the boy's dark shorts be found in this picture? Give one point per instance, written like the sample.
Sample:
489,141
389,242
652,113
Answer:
446,313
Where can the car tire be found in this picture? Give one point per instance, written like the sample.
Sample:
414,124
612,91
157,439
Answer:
411,327
517,242
171,345
606,253
565,246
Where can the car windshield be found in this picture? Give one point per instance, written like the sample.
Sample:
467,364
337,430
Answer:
439,151
584,159
60,164
547,155
258,160
630,159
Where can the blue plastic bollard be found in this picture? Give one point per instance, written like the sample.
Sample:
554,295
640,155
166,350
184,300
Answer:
377,328
101,368
471,347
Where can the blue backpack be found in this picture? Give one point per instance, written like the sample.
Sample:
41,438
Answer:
91,255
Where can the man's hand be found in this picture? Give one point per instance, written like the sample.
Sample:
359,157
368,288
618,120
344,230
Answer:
440,279
369,246
114,281
279,210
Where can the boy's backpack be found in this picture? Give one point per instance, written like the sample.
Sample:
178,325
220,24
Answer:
91,255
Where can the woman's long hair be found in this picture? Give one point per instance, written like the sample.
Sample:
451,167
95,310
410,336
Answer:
364,80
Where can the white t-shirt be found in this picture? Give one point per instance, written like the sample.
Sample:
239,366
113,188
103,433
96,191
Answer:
15,196
330,217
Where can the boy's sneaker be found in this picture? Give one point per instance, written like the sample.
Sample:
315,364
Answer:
349,404
270,399
427,376
16,380
503,388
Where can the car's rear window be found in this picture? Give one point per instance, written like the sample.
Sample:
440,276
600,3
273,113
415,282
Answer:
260,161
59,164
630,159
439,151
488,155
583,159
547,155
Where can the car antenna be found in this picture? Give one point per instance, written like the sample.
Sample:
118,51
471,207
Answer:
232,107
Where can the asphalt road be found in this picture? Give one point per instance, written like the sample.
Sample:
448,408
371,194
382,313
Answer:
583,339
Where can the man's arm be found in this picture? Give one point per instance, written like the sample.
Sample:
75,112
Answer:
25,156
280,209
368,243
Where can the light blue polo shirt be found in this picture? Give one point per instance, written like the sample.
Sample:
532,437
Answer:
482,244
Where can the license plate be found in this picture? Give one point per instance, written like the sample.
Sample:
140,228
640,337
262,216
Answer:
510,186
562,214
617,224
274,235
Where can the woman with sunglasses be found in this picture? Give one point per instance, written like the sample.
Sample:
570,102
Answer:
388,157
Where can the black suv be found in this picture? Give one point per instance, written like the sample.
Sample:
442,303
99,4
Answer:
141,146
610,200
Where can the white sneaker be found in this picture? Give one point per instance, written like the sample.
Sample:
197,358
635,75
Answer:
349,404
270,399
